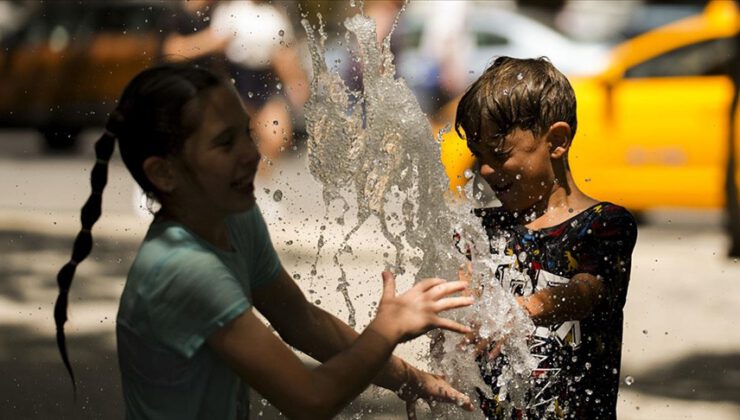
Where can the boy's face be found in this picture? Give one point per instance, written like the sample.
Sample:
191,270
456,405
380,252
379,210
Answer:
517,166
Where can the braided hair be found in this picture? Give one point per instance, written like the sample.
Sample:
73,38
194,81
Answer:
157,112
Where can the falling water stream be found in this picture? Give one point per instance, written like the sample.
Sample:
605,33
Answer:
374,153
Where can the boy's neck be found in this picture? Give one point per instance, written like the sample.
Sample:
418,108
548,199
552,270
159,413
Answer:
564,202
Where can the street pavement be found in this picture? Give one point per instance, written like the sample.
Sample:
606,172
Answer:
681,354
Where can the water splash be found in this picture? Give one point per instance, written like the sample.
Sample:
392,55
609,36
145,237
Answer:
375,149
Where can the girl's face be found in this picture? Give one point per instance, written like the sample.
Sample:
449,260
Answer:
218,163
517,166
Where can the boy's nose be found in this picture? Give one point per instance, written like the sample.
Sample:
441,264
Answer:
486,170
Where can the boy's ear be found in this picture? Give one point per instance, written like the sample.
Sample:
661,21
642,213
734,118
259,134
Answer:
559,137
160,173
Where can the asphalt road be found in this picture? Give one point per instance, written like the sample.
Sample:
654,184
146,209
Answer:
681,343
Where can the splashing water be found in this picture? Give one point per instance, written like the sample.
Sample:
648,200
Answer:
375,149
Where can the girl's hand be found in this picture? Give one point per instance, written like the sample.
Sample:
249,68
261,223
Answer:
414,312
430,387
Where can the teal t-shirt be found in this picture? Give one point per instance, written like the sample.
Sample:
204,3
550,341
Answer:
181,289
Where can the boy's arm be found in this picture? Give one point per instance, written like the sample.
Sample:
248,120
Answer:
572,301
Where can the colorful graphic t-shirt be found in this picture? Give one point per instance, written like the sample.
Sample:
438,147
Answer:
579,360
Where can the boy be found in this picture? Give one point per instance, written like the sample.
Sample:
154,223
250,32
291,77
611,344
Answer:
569,254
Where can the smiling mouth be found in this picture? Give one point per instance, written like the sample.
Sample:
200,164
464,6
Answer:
244,184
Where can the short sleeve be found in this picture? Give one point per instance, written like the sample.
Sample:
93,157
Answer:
195,295
608,249
251,230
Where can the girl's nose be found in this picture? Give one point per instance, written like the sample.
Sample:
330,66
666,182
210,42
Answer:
248,151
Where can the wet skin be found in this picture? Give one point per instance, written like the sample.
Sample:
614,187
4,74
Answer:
516,165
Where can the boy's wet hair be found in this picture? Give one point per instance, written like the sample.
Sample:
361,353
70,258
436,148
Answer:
530,94
157,112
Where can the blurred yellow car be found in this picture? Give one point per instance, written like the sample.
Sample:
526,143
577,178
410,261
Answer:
62,69
652,127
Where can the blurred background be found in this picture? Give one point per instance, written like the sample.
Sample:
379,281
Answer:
656,83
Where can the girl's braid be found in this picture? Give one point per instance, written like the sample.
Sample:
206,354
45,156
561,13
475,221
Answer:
90,214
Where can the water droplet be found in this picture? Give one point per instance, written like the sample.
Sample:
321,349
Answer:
518,177
281,32
468,174
629,381
296,276
275,122
519,76
277,195
250,94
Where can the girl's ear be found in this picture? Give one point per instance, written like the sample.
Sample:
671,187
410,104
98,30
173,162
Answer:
559,137
160,173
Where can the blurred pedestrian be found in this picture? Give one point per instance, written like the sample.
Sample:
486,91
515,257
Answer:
732,202
446,47
266,68
253,42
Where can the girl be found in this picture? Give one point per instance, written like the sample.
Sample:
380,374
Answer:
189,340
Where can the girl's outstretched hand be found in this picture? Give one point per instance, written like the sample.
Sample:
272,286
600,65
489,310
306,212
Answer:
430,387
414,312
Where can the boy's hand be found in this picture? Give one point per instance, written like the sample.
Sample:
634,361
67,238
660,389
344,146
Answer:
481,345
465,273
430,387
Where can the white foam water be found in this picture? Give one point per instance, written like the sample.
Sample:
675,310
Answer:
374,152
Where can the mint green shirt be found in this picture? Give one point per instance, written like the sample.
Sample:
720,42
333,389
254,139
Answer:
181,289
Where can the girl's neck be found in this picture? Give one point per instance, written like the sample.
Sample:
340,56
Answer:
209,228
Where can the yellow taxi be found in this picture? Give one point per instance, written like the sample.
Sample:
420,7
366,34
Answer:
62,69
652,127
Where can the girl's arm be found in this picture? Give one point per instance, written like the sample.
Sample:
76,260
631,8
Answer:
270,367
321,335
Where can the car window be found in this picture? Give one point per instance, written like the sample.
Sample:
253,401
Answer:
488,39
708,58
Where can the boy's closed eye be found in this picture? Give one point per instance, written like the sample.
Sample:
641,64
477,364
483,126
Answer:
225,139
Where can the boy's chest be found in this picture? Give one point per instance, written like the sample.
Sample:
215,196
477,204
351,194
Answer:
535,260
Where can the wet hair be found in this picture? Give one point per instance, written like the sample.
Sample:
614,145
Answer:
157,112
529,94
